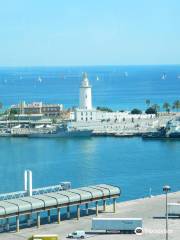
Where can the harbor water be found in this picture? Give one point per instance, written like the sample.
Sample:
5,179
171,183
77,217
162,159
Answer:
131,163
134,164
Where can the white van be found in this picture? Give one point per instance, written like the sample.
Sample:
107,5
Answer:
77,234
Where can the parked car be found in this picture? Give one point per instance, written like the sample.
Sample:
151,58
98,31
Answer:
77,235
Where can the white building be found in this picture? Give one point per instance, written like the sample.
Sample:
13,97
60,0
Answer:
86,113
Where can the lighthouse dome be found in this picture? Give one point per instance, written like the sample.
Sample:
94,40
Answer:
85,81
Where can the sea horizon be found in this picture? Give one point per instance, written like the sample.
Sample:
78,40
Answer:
123,87
90,65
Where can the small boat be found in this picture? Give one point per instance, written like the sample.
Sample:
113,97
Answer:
126,74
5,132
159,134
170,131
39,79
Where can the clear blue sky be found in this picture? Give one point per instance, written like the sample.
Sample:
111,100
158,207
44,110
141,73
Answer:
89,32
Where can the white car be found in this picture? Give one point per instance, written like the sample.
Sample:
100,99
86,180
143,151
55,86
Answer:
77,235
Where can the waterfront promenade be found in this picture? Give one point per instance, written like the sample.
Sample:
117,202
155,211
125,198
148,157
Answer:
152,210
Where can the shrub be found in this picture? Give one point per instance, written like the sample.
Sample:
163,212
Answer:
104,109
136,111
151,110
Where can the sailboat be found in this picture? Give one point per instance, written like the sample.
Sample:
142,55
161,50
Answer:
126,74
39,79
164,76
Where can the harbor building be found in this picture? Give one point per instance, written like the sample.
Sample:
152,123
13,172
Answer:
87,113
47,110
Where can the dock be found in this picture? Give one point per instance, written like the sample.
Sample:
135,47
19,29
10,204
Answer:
152,210
38,204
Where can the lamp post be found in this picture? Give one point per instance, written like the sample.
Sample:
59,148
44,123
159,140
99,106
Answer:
166,189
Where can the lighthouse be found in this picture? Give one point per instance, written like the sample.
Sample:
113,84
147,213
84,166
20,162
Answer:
85,98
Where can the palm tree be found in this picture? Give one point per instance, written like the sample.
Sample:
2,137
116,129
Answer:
156,107
1,105
176,105
166,107
148,102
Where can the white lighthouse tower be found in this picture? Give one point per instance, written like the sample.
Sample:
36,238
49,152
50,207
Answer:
85,99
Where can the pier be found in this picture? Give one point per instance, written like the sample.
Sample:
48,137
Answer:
38,204
152,210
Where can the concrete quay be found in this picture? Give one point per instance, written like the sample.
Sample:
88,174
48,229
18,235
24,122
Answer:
152,210
130,125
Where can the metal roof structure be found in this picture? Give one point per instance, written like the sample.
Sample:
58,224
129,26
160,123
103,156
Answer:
52,200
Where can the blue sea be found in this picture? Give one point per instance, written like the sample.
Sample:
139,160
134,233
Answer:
131,163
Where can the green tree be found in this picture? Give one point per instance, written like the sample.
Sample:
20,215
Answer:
136,111
54,120
104,109
1,105
156,107
151,110
166,107
148,102
13,111
176,105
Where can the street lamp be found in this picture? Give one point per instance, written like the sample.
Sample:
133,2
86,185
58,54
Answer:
166,189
